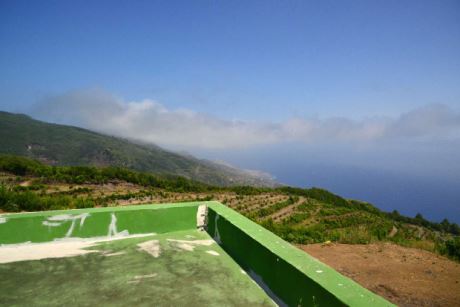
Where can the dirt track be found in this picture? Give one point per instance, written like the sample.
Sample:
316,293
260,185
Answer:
404,276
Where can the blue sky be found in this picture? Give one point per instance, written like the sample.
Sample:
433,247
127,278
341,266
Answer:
367,91
262,60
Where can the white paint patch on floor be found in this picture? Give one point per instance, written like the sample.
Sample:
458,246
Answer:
114,254
138,278
133,281
22,252
145,276
152,247
2,220
185,246
214,253
194,242
119,236
51,224
189,245
59,248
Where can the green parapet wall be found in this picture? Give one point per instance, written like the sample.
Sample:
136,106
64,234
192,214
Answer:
288,275
100,222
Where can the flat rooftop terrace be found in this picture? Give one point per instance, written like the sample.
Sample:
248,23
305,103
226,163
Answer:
196,254
177,268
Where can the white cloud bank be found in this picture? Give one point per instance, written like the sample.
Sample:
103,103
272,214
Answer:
150,121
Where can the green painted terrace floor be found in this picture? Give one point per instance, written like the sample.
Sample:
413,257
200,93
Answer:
170,269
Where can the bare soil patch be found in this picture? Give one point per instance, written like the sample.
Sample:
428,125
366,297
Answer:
404,276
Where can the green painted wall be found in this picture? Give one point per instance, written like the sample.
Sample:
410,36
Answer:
51,225
296,278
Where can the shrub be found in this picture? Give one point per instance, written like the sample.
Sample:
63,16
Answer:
451,248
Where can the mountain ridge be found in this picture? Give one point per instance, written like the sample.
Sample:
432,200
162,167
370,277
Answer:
65,145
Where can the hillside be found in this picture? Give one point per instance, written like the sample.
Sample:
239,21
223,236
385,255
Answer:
65,145
301,216
383,243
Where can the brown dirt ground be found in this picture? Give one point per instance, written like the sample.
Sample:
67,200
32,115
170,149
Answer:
404,276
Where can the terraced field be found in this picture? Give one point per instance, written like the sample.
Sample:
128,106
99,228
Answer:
298,217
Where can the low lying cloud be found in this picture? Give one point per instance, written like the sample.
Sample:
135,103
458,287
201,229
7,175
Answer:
150,121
